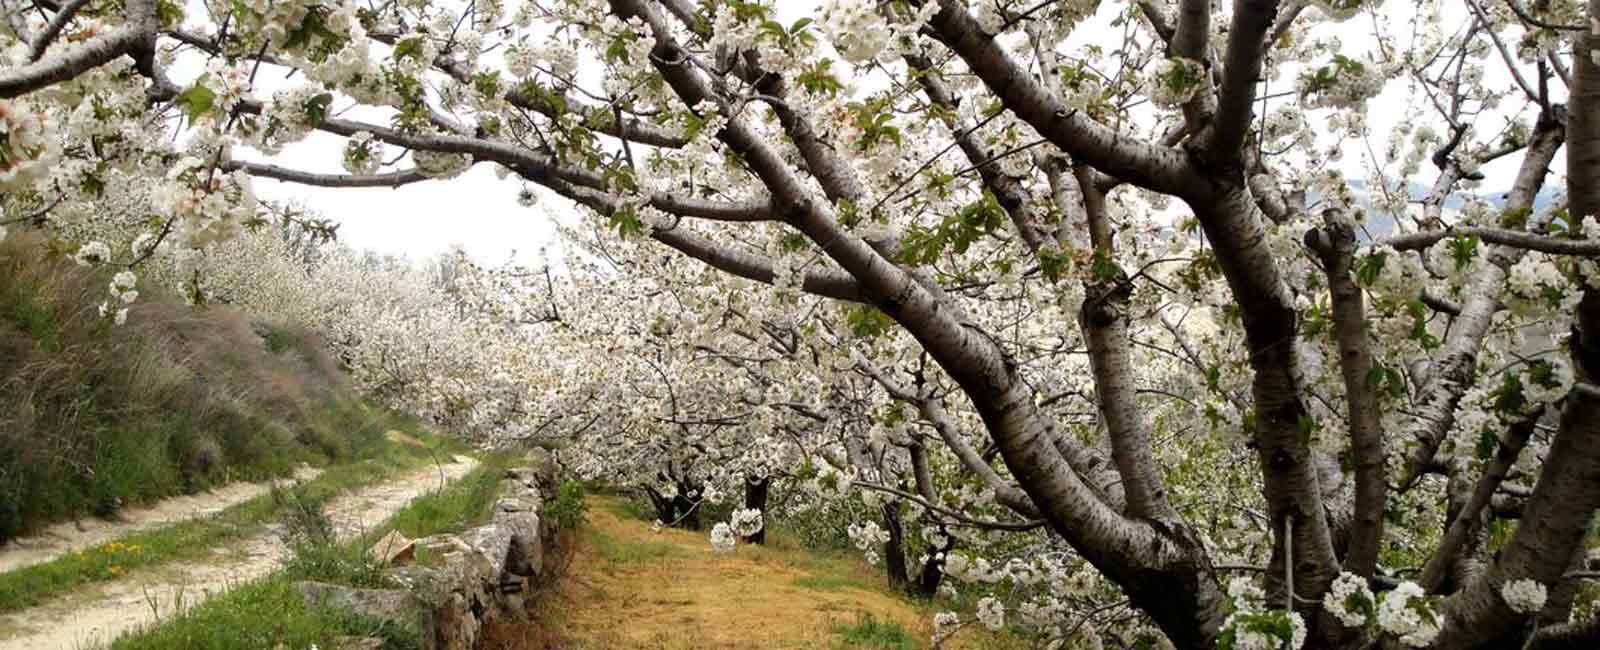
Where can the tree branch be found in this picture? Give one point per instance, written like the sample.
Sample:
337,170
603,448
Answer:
1335,244
390,179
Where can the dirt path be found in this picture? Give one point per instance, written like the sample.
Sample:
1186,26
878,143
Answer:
629,588
68,536
101,613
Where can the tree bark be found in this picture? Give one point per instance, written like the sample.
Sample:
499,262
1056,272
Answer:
1336,247
755,497
894,555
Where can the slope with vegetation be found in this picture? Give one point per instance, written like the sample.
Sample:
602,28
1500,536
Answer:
99,418
96,417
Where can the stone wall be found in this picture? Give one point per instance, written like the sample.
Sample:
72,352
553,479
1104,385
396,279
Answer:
457,583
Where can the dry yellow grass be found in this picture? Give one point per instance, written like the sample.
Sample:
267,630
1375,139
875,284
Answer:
630,588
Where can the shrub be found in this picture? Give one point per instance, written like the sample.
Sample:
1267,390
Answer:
568,507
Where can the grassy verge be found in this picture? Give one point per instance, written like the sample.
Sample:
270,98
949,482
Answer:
270,612
36,584
265,614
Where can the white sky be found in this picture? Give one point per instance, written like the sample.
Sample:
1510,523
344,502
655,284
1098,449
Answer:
475,210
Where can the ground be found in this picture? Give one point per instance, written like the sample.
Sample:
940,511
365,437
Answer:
629,587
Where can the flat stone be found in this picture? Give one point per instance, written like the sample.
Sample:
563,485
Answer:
393,550
357,643
388,604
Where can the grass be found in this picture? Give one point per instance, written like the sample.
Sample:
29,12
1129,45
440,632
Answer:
30,586
630,588
270,611
870,632
95,417
828,582
627,550
265,614
459,506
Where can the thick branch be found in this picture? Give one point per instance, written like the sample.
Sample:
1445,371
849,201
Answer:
1466,522
390,179
1005,493
1247,46
57,23
1335,245
1141,163
1435,407
72,60
1508,238
826,283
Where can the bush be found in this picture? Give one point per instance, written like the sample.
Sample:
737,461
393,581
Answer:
317,553
568,507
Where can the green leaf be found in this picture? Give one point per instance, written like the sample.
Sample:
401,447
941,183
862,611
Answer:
627,223
1103,268
317,108
867,321
792,242
1462,250
1369,267
1052,262
196,101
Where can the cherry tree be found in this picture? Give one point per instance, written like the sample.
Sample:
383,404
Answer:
1144,278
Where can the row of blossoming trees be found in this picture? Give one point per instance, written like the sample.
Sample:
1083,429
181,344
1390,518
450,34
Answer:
1105,305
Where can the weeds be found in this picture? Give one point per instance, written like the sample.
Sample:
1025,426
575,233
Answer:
568,507
869,632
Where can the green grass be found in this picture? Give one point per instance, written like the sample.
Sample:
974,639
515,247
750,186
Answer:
622,551
36,584
459,506
262,615
270,611
869,632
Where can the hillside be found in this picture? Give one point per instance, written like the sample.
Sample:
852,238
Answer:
97,417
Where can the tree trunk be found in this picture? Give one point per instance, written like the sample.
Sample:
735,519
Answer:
662,505
932,574
688,515
755,498
894,556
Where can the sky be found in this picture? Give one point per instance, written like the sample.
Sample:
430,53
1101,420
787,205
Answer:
475,211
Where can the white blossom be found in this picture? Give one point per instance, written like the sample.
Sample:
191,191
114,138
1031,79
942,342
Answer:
722,538
1523,596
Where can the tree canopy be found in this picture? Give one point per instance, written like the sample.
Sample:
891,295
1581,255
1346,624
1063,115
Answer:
1129,307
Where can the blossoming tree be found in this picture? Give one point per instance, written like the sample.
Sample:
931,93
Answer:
982,195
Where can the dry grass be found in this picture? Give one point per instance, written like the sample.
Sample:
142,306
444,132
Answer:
629,588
